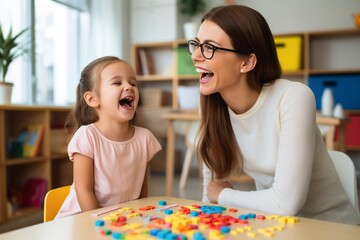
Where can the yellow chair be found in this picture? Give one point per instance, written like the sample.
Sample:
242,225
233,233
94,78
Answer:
53,201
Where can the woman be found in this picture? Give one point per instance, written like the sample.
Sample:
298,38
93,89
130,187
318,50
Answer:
253,121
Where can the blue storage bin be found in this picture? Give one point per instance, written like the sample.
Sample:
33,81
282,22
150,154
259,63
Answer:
345,88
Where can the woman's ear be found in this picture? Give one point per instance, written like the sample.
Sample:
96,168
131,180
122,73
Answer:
249,63
91,99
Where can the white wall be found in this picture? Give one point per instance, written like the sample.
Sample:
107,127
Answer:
283,16
286,16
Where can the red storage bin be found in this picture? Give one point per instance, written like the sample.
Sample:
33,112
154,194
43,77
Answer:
352,129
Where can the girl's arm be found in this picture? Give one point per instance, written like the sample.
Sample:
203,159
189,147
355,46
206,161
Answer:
84,182
144,188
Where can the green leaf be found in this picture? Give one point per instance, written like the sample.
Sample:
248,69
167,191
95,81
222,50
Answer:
192,7
9,50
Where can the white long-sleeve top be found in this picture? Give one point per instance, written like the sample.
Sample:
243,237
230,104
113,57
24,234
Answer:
284,152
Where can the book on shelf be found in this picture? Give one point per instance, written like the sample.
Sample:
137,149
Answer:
138,65
146,62
30,139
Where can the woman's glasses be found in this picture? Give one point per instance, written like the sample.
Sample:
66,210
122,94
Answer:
207,49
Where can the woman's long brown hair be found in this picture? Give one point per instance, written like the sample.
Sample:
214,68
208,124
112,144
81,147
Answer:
249,33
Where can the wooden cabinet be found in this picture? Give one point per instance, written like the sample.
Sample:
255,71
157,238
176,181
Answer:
334,56
162,60
333,52
321,53
50,164
325,52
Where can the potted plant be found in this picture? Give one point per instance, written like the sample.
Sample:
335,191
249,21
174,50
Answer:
9,51
191,8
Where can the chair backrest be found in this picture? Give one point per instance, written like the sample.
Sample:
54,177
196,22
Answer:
53,201
346,170
191,132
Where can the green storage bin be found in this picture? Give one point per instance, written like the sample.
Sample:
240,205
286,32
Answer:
185,65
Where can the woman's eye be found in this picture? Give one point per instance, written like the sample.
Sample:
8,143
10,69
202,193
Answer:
194,45
208,48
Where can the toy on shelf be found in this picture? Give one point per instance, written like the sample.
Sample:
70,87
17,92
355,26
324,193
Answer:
27,143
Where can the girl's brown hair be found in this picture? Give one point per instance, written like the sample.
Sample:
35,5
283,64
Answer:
249,33
83,114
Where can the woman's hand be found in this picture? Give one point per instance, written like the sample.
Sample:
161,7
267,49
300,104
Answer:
214,189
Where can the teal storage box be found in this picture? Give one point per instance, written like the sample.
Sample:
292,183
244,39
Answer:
345,89
185,66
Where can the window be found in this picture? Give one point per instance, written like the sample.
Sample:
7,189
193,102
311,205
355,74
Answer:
12,15
58,50
57,34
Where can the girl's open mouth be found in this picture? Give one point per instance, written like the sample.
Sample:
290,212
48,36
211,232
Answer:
127,102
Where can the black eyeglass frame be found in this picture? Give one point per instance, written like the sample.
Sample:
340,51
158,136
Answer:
194,42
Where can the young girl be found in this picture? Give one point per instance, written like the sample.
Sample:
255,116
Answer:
253,121
109,155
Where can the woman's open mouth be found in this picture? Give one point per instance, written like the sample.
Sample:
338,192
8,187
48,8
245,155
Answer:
205,76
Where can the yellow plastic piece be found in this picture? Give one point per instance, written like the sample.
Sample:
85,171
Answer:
251,234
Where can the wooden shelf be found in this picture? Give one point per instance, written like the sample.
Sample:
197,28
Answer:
352,148
59,156
153,78
20,161
333,71
331,52
14,172
169,57
20,213
339,32
300,73
309,62
354,111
